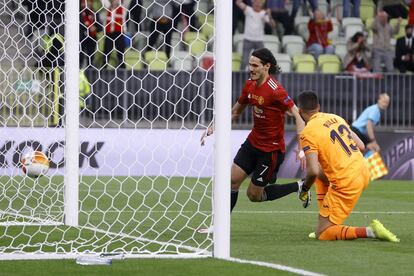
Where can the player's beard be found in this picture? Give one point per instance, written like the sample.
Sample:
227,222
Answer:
253,76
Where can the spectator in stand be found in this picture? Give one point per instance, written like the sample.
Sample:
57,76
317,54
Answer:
88,28
185,10
134,18
394,8
238,15
381,50
318,42
296,4
355,8
55,16
356,60
161,14
404,51
256,17
114,30
36,15
281,14
411,12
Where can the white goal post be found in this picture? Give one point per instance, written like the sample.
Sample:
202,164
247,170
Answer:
128,176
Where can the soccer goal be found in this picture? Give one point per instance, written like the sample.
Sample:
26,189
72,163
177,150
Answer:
117,95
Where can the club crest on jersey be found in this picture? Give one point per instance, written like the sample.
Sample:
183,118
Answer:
257,110
259,99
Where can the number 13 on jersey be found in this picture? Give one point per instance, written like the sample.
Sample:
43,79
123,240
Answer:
348,144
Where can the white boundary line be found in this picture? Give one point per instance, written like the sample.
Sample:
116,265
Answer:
276,266
141,239
239,212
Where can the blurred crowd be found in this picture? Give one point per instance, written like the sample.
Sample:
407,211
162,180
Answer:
108,28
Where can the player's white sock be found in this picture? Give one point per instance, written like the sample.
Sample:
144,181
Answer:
370,233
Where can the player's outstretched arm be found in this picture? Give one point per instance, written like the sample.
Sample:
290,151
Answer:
300,125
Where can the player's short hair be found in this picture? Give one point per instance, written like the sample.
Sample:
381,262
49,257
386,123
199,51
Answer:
266,56
308,100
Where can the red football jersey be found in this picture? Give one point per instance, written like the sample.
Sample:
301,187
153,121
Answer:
270,101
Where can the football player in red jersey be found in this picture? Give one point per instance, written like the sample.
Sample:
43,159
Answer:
264,149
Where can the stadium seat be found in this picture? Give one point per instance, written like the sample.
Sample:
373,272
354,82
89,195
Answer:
393,23
329,64
304,63
132,59
191,36
337,8
340,47
236,61
352,25
293,44
301,26
238,43
368,25
284,61
197,43
272,43
198,47
207,29
335,32
156,60
182,60
367,9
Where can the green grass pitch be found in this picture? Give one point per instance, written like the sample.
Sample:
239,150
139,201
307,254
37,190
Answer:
274,232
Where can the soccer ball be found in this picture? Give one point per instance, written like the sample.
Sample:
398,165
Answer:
35,164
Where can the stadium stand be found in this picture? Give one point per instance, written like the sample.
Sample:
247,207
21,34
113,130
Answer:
156,60
304,63
293,44
329,64
182,60
272,43
335,32
367,10
301,26
351,25
285,62
404,22
340,47
133,59
236,61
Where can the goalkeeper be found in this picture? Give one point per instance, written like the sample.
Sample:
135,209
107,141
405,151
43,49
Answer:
333,158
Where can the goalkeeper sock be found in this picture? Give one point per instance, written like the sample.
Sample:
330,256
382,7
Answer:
343,232
233,199
275,191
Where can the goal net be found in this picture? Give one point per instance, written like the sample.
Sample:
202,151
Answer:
127,173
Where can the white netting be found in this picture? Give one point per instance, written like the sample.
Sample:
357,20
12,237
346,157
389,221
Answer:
144,183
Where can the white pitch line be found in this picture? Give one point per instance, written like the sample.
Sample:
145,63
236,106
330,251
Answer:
316,212
239,212
276,266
